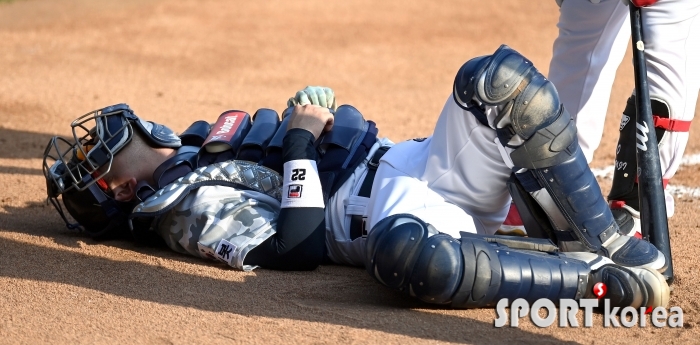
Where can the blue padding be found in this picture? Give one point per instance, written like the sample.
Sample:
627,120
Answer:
344,147
115,128
273,151
157,134
348,128
493,271
464,87
195,134
397,250
276,141
577,194
532,276
438,271
265,125
528,181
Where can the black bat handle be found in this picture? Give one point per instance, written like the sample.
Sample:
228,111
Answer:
652,201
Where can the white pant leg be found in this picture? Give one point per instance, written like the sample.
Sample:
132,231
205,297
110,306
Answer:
591,44
455,180
396,191
671,30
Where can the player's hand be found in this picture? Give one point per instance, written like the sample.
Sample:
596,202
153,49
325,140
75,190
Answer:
315,95
312,118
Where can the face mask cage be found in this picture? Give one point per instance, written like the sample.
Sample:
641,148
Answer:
74,169
85,199
97,137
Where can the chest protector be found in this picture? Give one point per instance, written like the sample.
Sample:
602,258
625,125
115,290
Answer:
340,150
237,174
209,215
245,152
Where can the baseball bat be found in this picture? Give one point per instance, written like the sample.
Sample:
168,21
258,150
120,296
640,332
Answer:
652,201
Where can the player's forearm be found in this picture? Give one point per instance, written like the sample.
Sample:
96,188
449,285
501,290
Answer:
302,198
301,246
300,239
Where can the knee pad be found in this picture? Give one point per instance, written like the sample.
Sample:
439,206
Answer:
406,254
465,81
531,120
393,246
438,271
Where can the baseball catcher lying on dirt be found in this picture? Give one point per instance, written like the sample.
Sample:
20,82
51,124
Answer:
320,186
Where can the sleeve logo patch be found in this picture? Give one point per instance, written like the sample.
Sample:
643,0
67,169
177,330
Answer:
294,191
225,250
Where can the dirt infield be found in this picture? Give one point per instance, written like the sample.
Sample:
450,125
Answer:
179,61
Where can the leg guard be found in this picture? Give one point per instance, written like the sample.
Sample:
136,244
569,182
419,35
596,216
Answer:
574,192
478,271
533,123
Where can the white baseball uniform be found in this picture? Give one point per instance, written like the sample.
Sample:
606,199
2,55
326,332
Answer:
454,180
593,38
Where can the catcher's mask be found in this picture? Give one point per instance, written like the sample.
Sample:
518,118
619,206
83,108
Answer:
74,168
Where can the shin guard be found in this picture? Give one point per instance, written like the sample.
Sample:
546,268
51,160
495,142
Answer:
532,123
477,271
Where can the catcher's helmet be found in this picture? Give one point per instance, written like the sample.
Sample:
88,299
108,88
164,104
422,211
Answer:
74,168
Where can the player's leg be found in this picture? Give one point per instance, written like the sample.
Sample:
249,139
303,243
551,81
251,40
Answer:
395,192
593,38
672,48
458,170
541,138
405,253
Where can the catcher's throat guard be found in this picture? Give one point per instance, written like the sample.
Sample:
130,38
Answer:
74,168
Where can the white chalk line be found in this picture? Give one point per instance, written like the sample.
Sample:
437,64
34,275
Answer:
675,190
